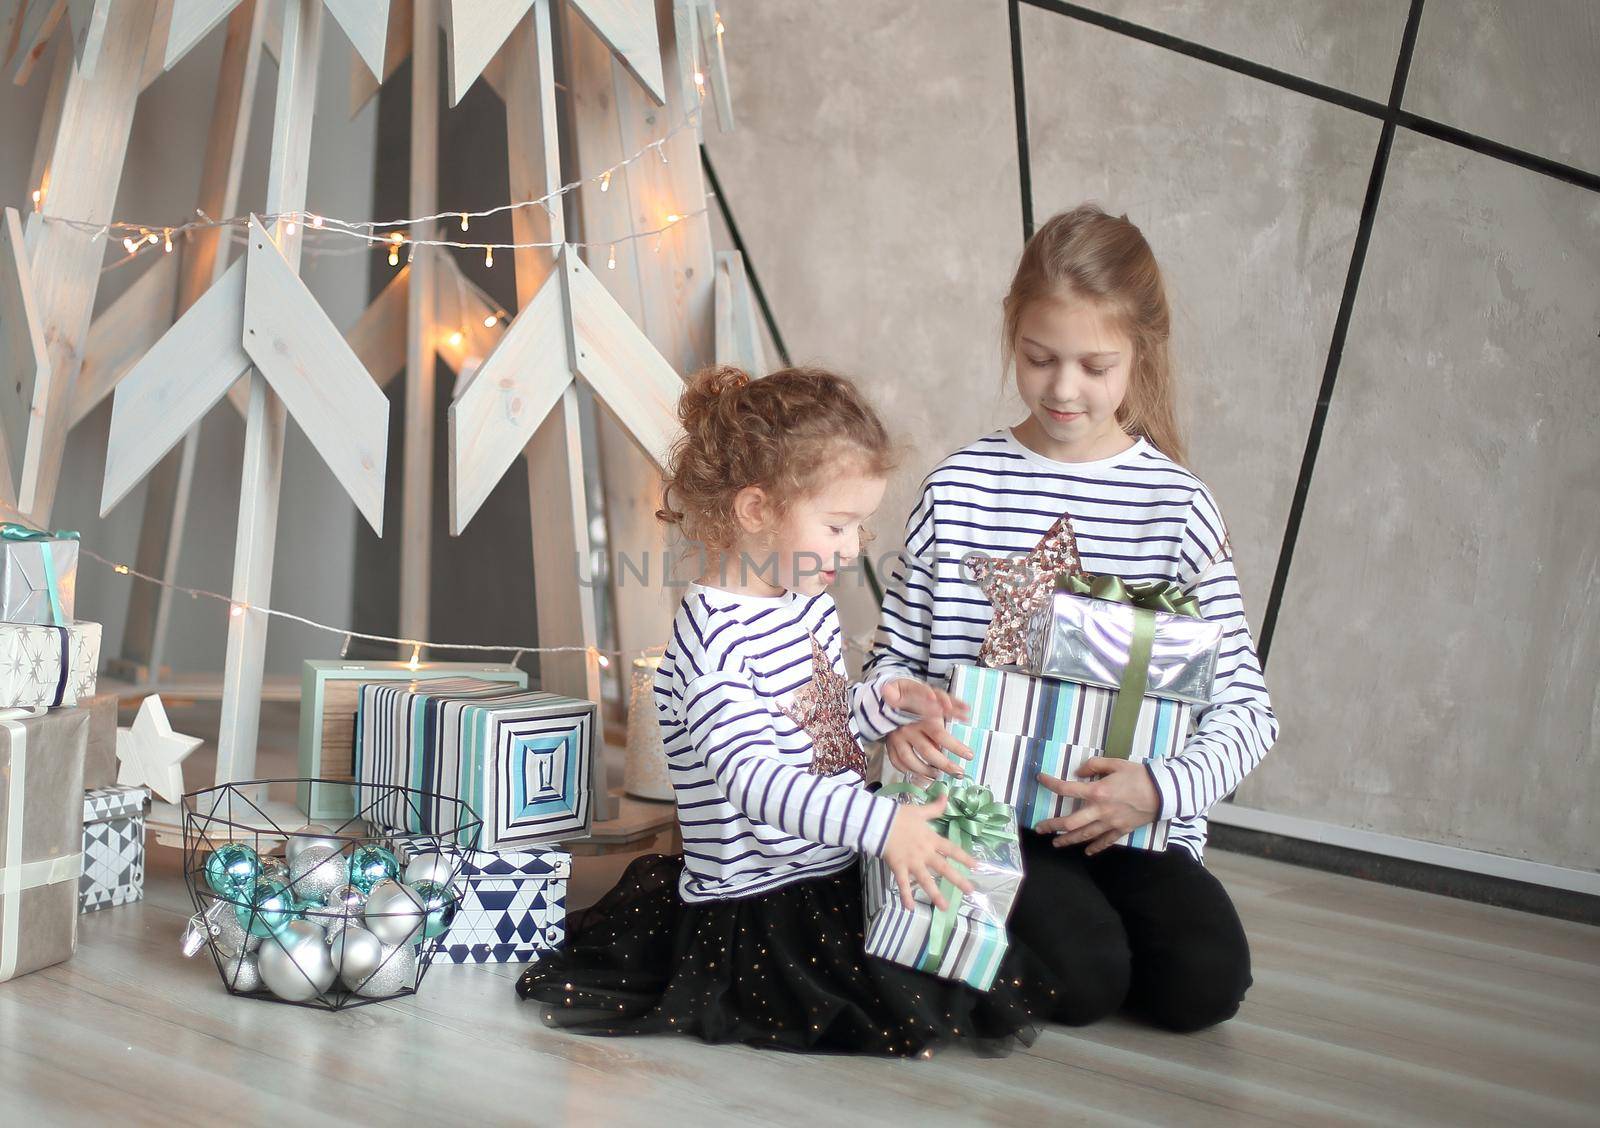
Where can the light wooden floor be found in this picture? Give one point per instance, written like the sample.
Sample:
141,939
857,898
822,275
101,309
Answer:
1371,1005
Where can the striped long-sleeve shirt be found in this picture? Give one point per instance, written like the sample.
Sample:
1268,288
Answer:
1137,515
755,810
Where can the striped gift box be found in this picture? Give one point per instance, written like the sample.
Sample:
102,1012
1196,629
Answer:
977,943
1052,726
521,759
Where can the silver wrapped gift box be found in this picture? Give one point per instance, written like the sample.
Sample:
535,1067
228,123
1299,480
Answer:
30,572
1082,639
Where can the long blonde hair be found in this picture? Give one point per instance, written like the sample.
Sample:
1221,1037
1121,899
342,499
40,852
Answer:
1087,254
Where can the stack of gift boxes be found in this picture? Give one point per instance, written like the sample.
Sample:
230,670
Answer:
71,838
1100,668
522,760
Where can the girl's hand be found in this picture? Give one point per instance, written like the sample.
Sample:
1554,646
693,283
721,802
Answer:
1122,798
919,749
917,852
907,695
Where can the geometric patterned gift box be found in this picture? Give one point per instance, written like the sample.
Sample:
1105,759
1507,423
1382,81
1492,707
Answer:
522,759
113,846
329,693
47,667
512,906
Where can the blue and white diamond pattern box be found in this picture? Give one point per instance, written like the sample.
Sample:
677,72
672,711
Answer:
513,908
47,667
523,760
113,846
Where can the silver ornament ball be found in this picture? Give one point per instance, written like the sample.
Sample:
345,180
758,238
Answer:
229,933
295,964
316,871
241,973
332,918
314,835
347,896
356,954
273,870
397,971
433,866
395,913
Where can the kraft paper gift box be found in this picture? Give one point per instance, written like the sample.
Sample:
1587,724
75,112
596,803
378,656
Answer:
511,908
47,666
41,836
1061,724
522,760
38,576
329,694
967,941
113,846
100,764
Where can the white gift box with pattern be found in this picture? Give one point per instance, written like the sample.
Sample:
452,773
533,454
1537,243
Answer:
47,667
113,846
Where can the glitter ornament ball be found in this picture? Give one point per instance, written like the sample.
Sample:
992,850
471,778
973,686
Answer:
231,936
440,904
314,835
370,865
394,913
397,971
356,954
232,870
241,972
274,908
315,872
295,964
433,866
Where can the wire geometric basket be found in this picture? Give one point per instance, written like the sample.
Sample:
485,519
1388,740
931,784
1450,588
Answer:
331,915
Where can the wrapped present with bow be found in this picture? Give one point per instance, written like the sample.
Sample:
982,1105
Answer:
38,575
966,940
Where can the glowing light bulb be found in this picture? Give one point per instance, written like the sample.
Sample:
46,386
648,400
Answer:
673,217
611,259
464,223
488,256
489,322
130,245
316,221
605,184
120,569
720,28
288,228
456,338
169,241
152,238
395,240
416,656
700,83
38,198
236,610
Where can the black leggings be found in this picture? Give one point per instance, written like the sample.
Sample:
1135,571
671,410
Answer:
1153,932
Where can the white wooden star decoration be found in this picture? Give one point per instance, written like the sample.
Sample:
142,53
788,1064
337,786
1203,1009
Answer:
151,754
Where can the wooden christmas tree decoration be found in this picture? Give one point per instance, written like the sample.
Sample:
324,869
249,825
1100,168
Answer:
24,362
259,318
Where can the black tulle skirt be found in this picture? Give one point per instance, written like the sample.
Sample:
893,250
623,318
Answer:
783,970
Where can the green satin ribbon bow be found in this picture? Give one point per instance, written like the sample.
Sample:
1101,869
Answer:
1146,599
972,817
11,531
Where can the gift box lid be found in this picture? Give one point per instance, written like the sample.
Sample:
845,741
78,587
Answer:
119,801
548,865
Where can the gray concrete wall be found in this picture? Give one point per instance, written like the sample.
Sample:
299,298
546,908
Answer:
1435,657
159,185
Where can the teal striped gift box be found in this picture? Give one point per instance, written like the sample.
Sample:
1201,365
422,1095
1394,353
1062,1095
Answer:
1045,725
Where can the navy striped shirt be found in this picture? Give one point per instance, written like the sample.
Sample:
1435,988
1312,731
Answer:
753,814
1137,515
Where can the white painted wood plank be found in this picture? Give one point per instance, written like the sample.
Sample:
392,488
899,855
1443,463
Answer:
24,359
629,29
416,474
311,367
396,49
39,21
714,63
88,32
618,361
533,149
474,32
49,124
378,338
506,400
155,55
124,332
174,384
86,167
738,333
365,24
191,21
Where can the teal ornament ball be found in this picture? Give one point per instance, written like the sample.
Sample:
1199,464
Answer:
232,869
371,864
274,908
440,904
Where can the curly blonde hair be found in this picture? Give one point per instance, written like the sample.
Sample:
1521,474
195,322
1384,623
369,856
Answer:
783,433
